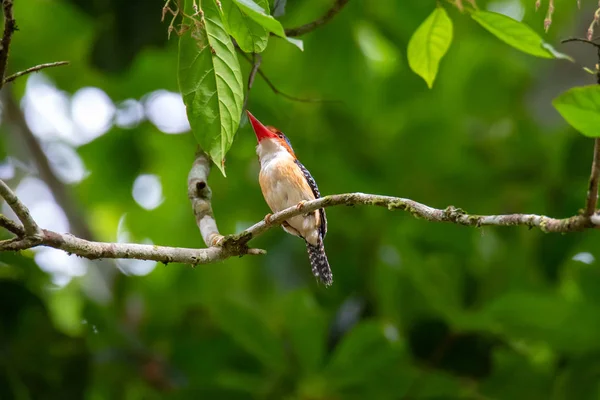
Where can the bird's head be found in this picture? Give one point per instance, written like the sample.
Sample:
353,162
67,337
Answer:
270,139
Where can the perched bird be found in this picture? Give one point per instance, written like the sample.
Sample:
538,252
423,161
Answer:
285,182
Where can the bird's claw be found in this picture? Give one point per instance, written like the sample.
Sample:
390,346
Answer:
300,205
267,219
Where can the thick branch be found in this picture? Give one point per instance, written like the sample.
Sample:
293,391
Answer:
19,208
200,196
34,69
592,194
10,26
98,250
236,245
332,12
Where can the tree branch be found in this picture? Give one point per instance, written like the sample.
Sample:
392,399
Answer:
276,90
18,126
100,273
256,61
34,69
11,226
31,228
10,26
332,12
222,247
200,196
592,194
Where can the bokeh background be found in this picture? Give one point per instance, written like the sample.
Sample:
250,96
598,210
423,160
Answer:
418,310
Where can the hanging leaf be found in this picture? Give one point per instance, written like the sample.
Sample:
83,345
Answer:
262,17
429,44
210,81
580,107
516,34
249,34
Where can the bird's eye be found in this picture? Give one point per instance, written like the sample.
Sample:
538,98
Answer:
280,135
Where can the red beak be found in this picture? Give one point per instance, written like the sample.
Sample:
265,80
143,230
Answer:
261,131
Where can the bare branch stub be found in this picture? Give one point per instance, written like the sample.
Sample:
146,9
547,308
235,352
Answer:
311,26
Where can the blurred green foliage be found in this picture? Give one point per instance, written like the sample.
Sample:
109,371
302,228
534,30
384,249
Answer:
417,310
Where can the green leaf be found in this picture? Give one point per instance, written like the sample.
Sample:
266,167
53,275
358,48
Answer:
567,326
429,44
249,34
210,81
296,42
371,343
516,34
380,54
580,107
262,17
251,331
307,329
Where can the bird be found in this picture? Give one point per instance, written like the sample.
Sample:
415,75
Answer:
284,183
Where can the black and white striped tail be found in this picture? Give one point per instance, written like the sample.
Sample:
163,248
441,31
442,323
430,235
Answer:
319,263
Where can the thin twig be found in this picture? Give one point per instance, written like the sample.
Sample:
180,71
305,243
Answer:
279,92
34,69
256,61
575,39
592,194
332,12
22,212
11,226
236,245
10,26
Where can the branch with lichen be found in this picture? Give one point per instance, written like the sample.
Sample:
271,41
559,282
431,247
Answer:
223,247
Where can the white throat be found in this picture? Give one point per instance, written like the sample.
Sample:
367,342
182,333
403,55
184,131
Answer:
269,150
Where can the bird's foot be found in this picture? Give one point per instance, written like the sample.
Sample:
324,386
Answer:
300,205
267,219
